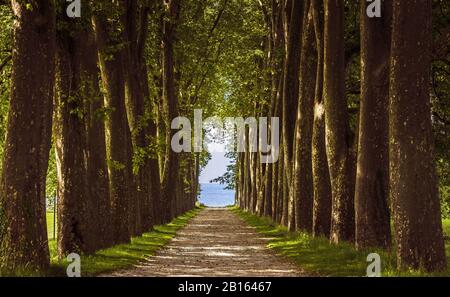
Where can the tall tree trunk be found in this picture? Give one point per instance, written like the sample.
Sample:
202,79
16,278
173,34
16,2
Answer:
99,199
194,180
372,217
118,140
241,183
413,182
321,176
253,180
151,166
154,130
290,97
23,229
247,174
74,236
278,176
282,189
302,174
285,194
135,98
338,134
170,98
276,64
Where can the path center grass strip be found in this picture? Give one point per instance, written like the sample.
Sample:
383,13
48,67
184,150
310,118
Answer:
317,256
124,255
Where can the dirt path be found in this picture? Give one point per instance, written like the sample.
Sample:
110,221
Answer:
215,243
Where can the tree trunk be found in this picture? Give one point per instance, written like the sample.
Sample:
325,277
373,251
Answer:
253,181
338,136
151,166
302,174
276,64
23,229
118,140
290,98
321,176
282,191
70,145
241,183
413,182
278,177
372,217
136,105
170,98
154,130
99,200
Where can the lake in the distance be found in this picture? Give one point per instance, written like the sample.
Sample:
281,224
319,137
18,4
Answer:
215,195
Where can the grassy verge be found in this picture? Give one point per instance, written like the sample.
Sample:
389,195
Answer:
446,226
50,225
126,255
318,256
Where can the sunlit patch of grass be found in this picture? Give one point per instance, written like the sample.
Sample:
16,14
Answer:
317,256
50,225
125,255
446,227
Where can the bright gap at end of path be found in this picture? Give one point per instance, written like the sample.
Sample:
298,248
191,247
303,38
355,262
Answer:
211,194
215,195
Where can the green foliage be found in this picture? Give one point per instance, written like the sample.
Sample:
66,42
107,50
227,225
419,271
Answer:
116,165
6,18
440,91
219,43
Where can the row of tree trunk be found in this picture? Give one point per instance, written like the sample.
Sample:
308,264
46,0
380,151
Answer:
87,78
332,181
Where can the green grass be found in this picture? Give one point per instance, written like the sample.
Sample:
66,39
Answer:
50,225
126,255
446,226
318,257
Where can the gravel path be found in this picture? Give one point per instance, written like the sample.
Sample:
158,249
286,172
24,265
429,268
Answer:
215,243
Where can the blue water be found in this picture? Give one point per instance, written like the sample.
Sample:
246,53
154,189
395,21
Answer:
214,195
